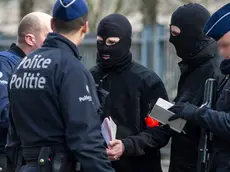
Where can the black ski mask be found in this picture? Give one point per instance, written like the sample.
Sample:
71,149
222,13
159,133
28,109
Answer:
190,19
117,55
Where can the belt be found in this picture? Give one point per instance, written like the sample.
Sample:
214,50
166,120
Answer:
33,153
58,164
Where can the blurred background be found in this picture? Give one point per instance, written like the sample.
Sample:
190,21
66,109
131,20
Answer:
149,18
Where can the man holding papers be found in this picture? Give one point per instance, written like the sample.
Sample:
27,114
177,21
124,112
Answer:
133,90
217,121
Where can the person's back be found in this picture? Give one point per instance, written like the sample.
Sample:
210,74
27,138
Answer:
200,61
35,92
53,102
39,97
29,27
32,31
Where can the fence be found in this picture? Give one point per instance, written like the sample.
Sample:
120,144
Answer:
158,56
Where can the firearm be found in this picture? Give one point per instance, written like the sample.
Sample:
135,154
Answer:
210,94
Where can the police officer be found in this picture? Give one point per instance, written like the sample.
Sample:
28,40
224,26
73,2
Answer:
199,61
32,31
133,91
53,102
217,121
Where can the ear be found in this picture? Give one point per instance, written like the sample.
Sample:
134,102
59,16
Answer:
85,27
30,39
52,24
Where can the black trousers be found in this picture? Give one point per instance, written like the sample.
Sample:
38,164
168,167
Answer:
3,162
28,168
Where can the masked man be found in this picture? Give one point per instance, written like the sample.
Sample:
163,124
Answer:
199,61
133,90
217,121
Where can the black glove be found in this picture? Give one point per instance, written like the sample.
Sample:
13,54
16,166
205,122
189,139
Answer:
185,111
165,127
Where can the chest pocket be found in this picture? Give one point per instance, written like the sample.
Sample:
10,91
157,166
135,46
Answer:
122,104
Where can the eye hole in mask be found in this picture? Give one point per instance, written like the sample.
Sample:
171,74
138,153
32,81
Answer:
175,31
109,41
100,40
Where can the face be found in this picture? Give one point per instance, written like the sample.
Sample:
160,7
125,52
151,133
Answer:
40,38
109,42
224,46
36,40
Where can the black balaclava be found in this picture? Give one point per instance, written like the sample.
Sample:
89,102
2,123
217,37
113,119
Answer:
114,25
191,19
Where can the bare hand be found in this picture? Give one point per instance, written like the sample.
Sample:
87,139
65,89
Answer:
116,150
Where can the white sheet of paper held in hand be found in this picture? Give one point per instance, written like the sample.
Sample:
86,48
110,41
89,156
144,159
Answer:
108,130
160,112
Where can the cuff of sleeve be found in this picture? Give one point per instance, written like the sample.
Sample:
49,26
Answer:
190,111
200,112
129,146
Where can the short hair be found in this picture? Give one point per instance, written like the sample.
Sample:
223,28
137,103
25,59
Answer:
33,23
66,27
30,24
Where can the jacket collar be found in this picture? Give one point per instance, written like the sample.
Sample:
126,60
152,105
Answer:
207,53
59,41
17,51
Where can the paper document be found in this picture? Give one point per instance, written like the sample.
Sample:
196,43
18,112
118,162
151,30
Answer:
108,130
160,112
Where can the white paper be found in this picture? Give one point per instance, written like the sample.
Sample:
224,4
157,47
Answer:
164,104
160,112
108,130
113,128
105,131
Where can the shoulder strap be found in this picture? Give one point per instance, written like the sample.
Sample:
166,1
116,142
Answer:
10,56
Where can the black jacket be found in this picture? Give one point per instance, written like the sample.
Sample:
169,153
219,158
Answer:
218,122
133,91
8,60
53,102
194,73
